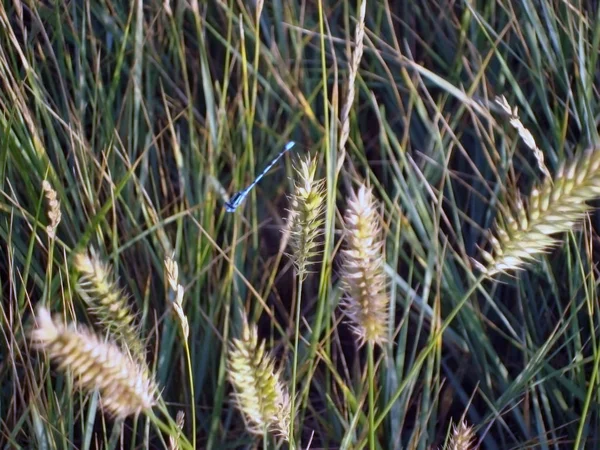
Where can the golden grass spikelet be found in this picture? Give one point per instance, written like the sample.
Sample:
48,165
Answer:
125,386
107,302
462,437
54,213
172,273
366,302
173,278
259,393
306,214
554,206
359,34
524,133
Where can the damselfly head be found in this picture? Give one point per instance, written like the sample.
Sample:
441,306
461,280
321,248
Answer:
234,201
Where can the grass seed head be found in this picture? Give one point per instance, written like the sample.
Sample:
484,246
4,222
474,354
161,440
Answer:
526,229
306,214
259,393
524,133
125,386
54,213
173,440
462,437
107,302
366,301
173,279
359,34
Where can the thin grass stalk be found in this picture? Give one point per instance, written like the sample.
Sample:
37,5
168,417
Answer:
135,427
591,391
249,110
329,228
192,392
178,290
115,434
301,277
331,176
371,377
216,135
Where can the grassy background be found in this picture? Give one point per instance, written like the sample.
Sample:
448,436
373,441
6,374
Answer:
142,117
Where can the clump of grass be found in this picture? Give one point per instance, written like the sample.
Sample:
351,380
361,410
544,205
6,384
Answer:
125,386
107,302
462,437
366,302
259,392
554,206
54,213
306,215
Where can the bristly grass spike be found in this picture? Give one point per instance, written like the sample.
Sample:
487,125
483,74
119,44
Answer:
237,198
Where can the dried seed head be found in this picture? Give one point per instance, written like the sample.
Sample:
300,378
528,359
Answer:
525,230
180,420
259,393
366,301
178,308
125,386
524,133
107,302
172,272
173,279
54,213
359,34
306,215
